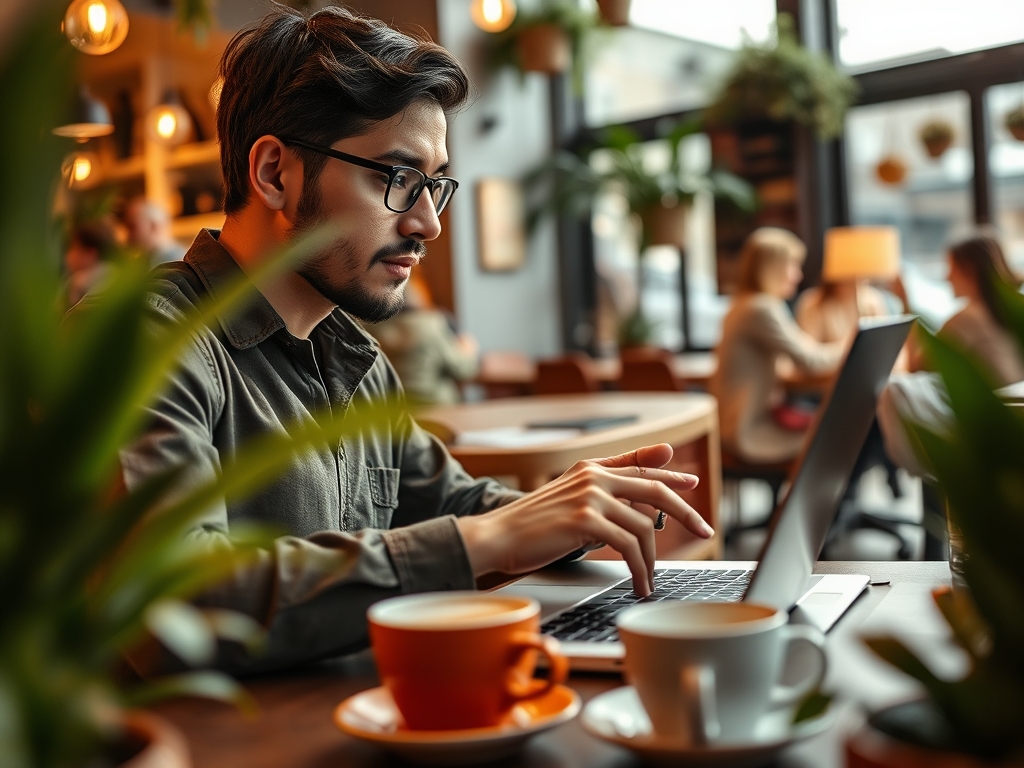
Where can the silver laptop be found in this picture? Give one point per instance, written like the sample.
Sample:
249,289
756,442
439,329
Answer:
579,600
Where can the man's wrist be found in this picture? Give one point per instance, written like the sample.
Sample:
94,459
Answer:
479,543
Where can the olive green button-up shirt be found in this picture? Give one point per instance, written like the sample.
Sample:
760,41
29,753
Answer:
368,519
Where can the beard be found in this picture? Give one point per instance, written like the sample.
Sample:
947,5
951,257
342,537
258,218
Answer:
336,271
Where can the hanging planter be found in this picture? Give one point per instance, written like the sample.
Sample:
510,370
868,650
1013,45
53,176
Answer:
937,136
544,48
891,170
615,12
665,225
1014,122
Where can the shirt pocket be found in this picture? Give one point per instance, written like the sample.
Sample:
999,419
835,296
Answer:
383,492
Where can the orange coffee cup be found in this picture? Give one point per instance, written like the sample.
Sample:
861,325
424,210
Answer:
455,660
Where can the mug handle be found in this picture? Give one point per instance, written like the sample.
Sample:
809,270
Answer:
519,690
789,694
698,686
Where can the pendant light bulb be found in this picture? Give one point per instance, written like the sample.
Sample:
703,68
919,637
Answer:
96,26
493,15
80,170
169,122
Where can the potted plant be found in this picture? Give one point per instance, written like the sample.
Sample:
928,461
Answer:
936,135
615,12
891,170
783,81
657,195
552,39
81,583
978,462
1014,122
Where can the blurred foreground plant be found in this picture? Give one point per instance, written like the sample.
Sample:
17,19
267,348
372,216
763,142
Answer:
978,463
81,582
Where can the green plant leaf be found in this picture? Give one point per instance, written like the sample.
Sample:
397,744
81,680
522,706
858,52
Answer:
208,685
182,628
813,705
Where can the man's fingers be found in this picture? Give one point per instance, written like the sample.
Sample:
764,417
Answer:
640,490
677,481
657,455
635,550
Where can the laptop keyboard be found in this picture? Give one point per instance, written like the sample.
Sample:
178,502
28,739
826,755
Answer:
594,620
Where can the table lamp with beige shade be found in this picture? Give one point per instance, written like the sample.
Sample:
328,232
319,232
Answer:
854,256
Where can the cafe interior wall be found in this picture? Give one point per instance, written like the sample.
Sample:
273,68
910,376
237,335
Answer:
505,131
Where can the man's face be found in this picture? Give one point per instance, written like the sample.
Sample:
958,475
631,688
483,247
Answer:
365,269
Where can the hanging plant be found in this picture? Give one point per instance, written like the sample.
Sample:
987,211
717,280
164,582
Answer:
891,170
936,135
553,39
1014,122
783,81
615,12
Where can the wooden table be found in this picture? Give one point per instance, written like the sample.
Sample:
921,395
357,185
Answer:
686,421
295,727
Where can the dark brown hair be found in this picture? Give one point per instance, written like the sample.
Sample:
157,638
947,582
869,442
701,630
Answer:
981,258
321,76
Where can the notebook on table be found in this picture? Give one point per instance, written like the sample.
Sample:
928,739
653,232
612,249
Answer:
581,600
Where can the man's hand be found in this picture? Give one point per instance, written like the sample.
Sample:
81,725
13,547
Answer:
613,501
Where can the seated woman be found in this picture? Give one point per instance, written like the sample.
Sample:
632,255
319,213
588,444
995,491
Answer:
975,265
758,330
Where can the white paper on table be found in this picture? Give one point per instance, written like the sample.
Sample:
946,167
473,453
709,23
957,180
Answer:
514,437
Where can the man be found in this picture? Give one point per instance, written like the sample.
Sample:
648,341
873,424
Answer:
336,119
149,230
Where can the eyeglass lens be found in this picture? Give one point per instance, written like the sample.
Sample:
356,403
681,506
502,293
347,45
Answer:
406,185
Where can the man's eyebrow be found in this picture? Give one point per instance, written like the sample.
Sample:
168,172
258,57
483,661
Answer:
400,157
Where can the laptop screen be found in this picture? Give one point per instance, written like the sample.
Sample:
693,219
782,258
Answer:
802,519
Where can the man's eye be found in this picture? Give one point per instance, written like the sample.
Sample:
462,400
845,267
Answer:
402,180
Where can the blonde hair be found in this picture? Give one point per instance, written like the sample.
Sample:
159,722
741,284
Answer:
765,248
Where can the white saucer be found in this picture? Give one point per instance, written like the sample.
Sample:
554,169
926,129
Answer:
372,716
619,717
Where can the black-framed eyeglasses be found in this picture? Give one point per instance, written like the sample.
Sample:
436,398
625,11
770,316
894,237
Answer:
404,183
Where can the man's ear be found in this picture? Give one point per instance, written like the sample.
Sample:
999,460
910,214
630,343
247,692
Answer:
275,174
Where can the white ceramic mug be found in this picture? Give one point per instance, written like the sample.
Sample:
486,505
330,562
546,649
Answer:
710,672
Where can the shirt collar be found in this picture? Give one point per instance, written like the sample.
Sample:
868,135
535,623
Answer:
254,320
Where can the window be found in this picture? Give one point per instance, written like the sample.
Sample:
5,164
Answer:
669,58
875,34
931,205
1006,166
616,239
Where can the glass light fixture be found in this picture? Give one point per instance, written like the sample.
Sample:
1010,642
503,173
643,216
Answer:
87,118
96,26
80,170
169,122
493,15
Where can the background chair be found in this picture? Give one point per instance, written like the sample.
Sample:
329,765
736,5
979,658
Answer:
734,470
570,374
653,374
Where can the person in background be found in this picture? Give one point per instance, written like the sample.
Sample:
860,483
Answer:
831,311
149,230
90,247
429,356
975,266
756,424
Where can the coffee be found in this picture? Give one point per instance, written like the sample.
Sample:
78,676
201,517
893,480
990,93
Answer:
458,660
444,613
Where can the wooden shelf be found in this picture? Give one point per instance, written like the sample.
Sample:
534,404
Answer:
198,153
185,228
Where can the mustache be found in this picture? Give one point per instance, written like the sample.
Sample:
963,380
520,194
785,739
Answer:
414,247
